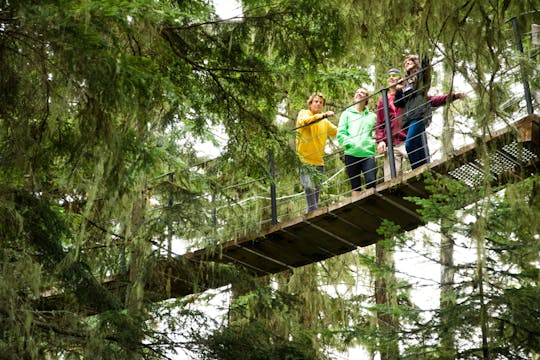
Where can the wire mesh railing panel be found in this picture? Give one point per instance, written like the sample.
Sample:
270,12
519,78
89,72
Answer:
498,163
469,174
519,152
507,158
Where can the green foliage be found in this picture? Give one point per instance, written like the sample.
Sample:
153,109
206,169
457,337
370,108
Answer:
257,343
518,323
503,280
100,99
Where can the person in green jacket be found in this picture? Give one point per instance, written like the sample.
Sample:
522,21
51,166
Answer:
356,135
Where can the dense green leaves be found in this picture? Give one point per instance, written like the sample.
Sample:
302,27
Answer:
102,107
501,229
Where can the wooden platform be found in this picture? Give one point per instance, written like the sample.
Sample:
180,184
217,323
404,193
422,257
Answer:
344,226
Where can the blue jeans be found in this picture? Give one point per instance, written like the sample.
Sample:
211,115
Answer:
312,188
416,144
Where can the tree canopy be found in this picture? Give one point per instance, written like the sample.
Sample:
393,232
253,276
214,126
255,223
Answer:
101,100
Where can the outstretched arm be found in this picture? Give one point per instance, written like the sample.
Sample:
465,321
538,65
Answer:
305,117
440,100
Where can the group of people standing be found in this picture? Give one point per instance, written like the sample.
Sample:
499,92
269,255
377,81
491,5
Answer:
362,133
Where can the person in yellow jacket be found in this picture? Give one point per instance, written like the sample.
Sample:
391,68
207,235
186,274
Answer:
313,129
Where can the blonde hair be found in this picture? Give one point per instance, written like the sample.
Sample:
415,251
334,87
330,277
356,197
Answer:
313,96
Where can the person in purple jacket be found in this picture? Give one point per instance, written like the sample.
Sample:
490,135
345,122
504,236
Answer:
411,96
398,134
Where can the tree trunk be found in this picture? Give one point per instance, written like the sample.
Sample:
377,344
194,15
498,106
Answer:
481,264
448,296
137,274
447,135
385,298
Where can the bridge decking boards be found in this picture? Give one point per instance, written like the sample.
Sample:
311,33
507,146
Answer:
346,225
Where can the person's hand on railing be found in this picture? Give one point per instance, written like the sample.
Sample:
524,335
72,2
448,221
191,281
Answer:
329,114
381,147
458,96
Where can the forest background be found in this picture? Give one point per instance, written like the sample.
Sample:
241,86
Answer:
101,98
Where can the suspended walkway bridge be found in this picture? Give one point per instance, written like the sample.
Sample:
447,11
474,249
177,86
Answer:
512,155
342,223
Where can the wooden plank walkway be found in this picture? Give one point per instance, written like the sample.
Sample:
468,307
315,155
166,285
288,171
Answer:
341,227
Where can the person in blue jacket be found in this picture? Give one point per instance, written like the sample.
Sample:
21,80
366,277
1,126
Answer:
356,135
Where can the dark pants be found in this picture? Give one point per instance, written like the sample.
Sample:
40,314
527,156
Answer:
416,144
361,165
312,188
